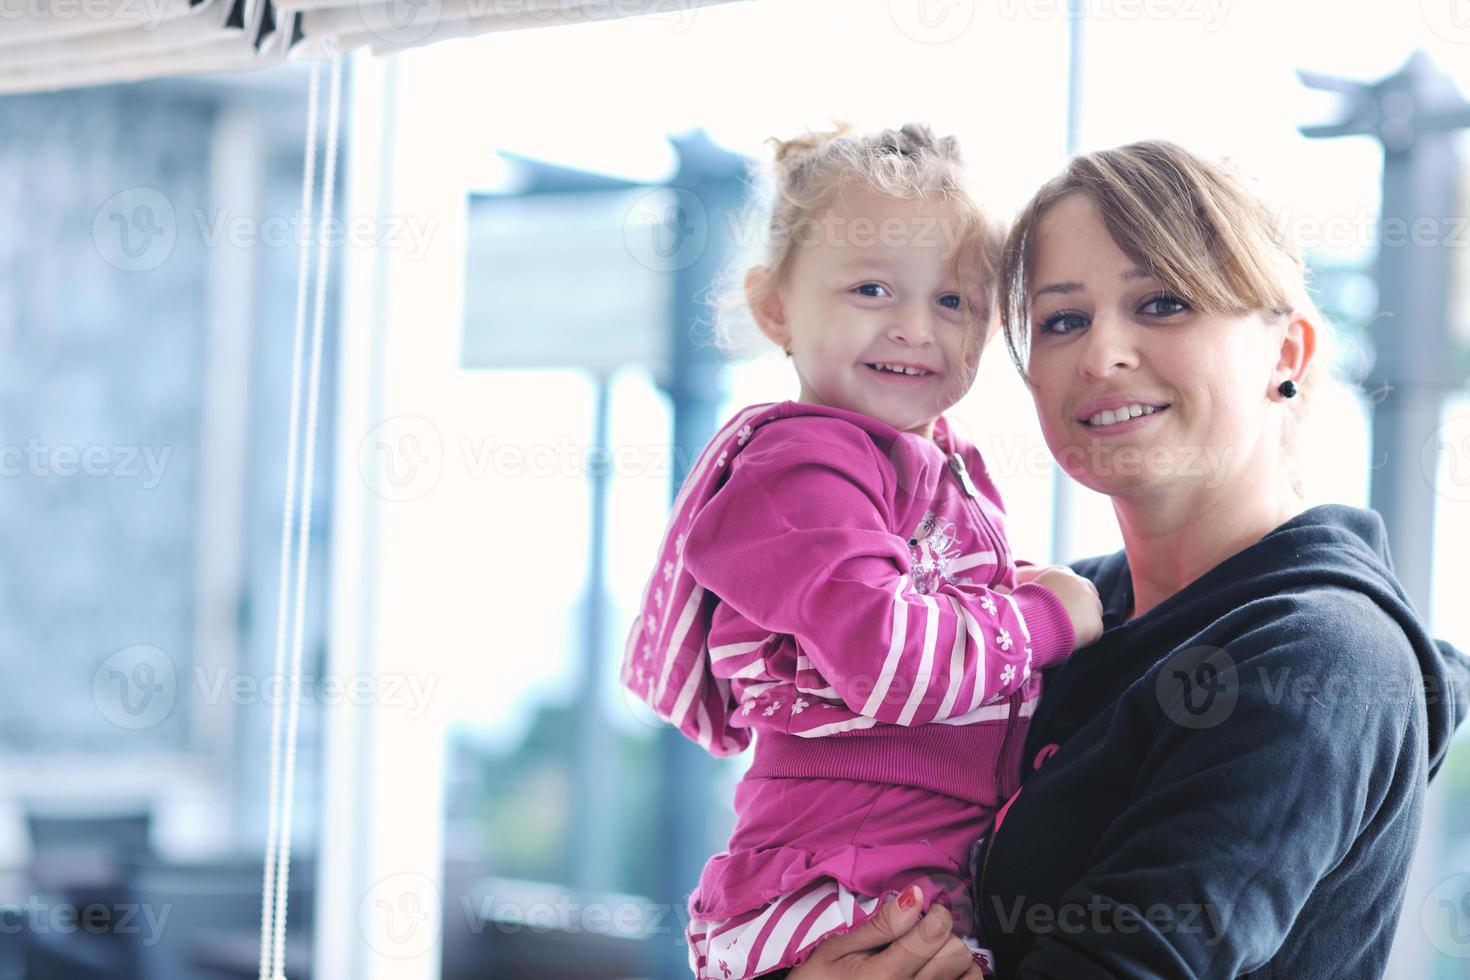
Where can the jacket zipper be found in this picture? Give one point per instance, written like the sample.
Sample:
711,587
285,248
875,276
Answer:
1014,703
957,466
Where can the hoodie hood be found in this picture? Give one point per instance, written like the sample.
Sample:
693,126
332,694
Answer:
1328,545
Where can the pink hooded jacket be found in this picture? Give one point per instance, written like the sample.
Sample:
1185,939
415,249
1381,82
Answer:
823,572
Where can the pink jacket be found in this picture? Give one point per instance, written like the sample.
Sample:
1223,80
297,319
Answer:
823,572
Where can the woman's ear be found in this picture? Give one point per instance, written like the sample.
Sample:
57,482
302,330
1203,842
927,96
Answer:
766,306
1298,344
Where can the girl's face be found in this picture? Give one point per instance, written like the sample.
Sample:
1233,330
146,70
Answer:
869,284
1109,342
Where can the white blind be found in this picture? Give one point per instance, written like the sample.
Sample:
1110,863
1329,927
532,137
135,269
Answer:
56,44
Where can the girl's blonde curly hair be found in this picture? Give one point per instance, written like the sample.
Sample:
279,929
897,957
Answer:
806,173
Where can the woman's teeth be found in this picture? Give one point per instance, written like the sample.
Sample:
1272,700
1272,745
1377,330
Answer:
1116,415
898,369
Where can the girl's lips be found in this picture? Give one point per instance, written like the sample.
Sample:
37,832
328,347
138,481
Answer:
1118,428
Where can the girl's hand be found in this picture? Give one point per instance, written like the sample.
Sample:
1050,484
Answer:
895,944
1028,573
1081,600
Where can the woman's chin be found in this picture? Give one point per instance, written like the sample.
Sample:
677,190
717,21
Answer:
1111,470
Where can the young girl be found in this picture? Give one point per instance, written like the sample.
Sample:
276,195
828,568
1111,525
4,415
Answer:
835,573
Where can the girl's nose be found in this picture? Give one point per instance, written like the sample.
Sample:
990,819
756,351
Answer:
916,326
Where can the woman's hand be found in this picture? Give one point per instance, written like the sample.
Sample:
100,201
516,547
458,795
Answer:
916,948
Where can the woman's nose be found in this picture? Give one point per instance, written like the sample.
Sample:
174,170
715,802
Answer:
1107,347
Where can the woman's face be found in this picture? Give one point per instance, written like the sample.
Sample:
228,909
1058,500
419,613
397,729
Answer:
1108,342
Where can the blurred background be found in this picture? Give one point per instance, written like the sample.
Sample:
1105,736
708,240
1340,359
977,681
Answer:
518,371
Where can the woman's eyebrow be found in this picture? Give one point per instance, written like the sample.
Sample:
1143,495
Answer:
1057,287
1076,287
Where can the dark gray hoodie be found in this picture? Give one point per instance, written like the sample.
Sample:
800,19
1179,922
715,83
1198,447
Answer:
1233,782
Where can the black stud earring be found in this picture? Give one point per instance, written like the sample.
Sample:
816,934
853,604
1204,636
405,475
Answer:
1287,388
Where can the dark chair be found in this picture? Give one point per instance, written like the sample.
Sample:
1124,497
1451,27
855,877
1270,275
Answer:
79,863
208,916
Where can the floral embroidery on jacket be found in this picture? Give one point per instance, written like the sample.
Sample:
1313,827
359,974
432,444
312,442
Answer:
934,545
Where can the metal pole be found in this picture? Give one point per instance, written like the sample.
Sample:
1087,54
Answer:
593,844
710,186
1064,492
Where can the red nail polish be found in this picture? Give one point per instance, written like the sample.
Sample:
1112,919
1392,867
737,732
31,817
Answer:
909,898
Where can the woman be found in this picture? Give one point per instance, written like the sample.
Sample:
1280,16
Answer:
1231,780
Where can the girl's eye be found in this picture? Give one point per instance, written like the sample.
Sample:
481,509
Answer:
1063,322
952,300
871,285
1168,304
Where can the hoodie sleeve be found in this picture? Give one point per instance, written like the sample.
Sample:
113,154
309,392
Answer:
797,540
1298,743
1451,702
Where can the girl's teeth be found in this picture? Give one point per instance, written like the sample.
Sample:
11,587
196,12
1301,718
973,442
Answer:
897,370
1112,416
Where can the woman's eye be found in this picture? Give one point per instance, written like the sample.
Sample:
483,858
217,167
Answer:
871,285
1167,305
1063,322
952,300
